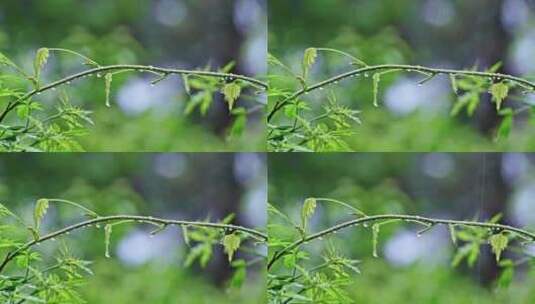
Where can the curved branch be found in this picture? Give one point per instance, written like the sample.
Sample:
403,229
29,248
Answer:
402,67
146,219
414,218
139,68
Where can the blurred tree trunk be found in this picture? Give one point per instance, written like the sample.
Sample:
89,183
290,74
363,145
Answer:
493,198
224,46
221,198
492,48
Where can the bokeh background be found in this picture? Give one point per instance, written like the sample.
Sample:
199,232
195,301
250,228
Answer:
178,186
438,33
413,269
170,33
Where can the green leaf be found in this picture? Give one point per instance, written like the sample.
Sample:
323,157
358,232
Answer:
4,210
232,92
4,60
240,122
203,252
499,92
309,58
231,243
240,274
23,111
41,206
107,237
498,242
108,78
308,209
40,61
473,254
506,125
506,276
375,239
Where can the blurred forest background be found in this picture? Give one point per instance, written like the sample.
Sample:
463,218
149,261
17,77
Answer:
188,34
450,186
438,33
177,186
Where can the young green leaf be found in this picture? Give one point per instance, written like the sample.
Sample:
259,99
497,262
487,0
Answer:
454,86
185,81
376,80
232,92
185,234
309,58
107,237
375,239
40,61
453,235
41,206
108,78
498,242
499,92
308,209
231,243
34,233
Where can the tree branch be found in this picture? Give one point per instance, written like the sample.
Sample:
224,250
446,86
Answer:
414,218
145,219
406,68
139,68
